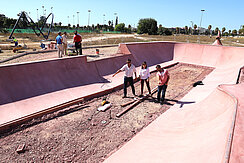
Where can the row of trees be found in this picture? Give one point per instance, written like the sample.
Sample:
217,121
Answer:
147,25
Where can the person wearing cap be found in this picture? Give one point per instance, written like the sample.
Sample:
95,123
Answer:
163,79
65,43
59,41
129,69
78,42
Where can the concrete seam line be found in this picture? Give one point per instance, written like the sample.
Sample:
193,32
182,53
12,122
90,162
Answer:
232,127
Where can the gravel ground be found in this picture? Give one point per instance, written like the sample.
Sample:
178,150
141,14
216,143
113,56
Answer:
82,134
90,53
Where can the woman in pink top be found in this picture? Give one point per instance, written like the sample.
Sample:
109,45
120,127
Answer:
144,77
163,78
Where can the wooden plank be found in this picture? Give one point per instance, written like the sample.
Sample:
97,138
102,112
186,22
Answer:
136,102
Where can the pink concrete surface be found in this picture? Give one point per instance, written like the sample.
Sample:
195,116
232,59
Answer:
194,132
237,150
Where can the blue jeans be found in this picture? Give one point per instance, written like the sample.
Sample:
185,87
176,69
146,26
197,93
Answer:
130,80
161,89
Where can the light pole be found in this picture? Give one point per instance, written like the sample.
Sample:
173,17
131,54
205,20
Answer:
201,21
103,19
115,14
37,14
45,12
73,20
192,27
78,24
89,11
68,19
200,26
51,9
43,9
201,18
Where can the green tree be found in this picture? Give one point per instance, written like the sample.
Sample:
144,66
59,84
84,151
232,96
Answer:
223,30
186,30
241,30
164,31
195,27
109,23
234,32
120,27
147,25
116,21
177,30
229,32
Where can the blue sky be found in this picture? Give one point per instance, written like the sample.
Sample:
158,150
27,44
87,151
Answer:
169,13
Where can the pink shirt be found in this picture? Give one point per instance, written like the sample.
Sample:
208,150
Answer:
163,77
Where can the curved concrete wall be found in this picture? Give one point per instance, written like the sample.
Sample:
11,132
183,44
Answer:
32,87
194,134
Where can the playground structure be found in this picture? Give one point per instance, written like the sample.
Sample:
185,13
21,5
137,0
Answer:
191,132
37,30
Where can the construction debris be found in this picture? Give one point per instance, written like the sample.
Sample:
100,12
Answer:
128,103
105,107
21,148
135,102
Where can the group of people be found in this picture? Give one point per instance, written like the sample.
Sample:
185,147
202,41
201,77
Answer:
162,76
62,43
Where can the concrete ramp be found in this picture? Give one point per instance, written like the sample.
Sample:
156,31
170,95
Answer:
197,133
29,88
237,143
153,53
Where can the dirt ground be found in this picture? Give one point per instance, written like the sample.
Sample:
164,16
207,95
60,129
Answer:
90,39
90,53
82,134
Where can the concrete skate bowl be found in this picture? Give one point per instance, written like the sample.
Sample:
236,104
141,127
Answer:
32,89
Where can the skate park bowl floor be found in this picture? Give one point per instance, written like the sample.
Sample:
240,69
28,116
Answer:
199,132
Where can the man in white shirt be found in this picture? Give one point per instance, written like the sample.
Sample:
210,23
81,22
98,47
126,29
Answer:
65,42
129,69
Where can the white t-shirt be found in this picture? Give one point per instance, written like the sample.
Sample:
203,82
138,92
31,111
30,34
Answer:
144,73
64,39
128,71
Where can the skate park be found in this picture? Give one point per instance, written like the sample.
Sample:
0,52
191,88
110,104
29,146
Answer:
191,132
64,83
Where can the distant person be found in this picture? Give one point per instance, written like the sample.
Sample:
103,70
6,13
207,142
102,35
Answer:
218,39
144,77
163,79
129,69
77,40
59,41
43,46
15,42
65,42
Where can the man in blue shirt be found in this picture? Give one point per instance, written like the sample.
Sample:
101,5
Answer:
59,42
